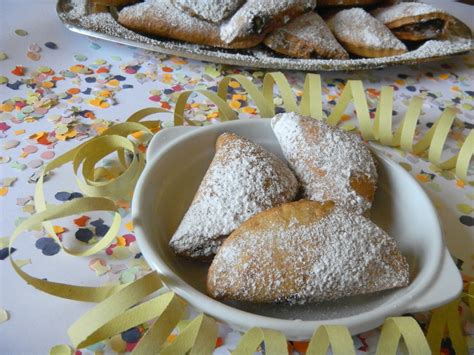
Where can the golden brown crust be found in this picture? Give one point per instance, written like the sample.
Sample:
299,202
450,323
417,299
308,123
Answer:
369,52
324,3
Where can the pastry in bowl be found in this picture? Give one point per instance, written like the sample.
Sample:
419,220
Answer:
331,164
242,180
305,251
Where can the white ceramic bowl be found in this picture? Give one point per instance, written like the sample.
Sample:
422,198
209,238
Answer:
177,160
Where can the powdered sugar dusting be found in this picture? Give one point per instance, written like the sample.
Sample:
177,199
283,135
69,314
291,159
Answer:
294,260
404,9
210,10
324,159
358,27
243,179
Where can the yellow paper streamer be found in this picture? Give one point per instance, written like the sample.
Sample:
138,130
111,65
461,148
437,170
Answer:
448,317
335,336
120,306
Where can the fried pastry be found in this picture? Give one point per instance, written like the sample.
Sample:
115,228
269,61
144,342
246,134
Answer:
363,35
209,10
258,17
162,18
331,164
242,180
413,21
304,252
304,37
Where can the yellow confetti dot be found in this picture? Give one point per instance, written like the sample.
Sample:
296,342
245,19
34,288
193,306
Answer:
234,84
105,93
460,183
20,131
3,190
58,229
113,82
104,105
235,104
6,107
213,115
345,117
239,97
121,241
47,84
60,350
444,76
138,134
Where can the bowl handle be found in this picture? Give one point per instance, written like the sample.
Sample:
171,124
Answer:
164,137
445,288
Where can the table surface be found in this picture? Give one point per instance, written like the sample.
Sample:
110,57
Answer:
95,83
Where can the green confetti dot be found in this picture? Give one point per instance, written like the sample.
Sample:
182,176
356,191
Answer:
464,208
80,57
115,57
44,69
3,56
3,80
21,32
100,61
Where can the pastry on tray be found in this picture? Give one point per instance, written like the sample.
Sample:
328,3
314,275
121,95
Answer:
413,21
162,18
363,35
324,3
303,252
304,37
331,164
257,17
242,180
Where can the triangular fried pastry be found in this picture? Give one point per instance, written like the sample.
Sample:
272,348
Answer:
209,10
304,37
331,164
413,21
305,251
242,180
363,35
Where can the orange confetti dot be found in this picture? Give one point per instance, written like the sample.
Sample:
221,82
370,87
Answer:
129,226
219,342
19,132
300,346
104,105
6,107
81,221
345,117
73,91
249,110
399,81
47,84
422,178
59,229
165,105
444,76
102,70
167,69
105,93
19,70
3,191
460,183
121,241
239,97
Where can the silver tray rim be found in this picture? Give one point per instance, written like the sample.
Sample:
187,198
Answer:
239,58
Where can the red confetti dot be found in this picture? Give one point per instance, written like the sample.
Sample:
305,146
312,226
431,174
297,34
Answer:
155,98
19,70
167,69
165,105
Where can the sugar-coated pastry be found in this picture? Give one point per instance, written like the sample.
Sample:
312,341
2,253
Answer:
324,3
242,180
303,252
258,17
363,35
331,164
209,10
413,21
162,18
304,37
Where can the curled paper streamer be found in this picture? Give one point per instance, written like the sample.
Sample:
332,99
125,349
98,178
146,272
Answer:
120,308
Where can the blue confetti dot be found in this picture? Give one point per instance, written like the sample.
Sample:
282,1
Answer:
411,88
15,86
132,335
90,79
75,195
279,110
87,91
467,220
167,91
62,196
138,255
120,77
127,86
51,45
4,253
84,235
94,46
48,246
101,230
97,222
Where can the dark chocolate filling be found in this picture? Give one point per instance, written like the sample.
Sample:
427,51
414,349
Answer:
428,29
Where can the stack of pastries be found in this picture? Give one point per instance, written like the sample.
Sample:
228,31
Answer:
293,231
331,29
